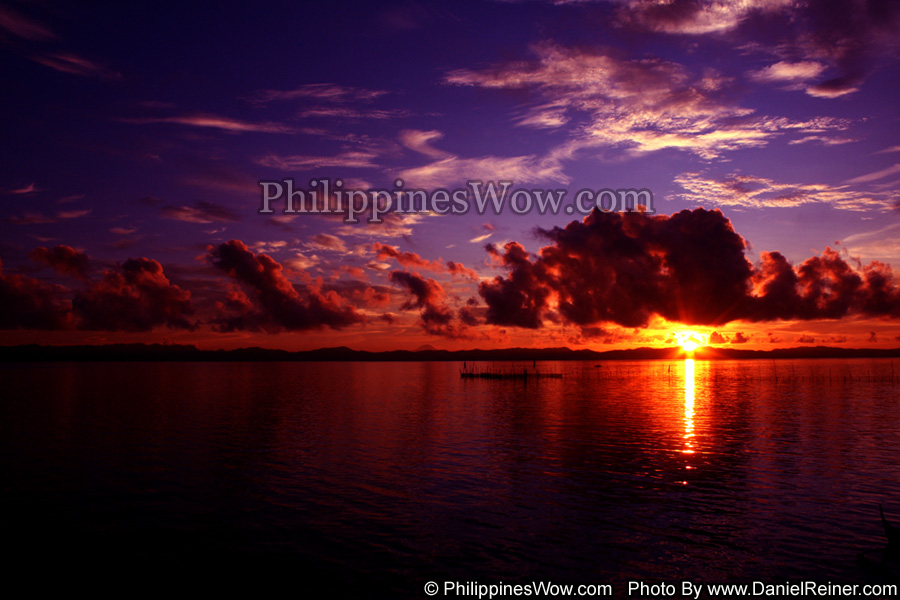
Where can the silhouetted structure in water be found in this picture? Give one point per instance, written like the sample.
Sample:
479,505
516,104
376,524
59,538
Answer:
508,374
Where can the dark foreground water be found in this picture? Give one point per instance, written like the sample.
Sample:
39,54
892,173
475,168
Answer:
378,477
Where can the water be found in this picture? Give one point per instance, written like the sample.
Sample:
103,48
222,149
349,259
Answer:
378,477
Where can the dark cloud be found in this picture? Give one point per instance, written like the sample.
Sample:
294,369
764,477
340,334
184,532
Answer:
428,296
849,35
852,34
31,304
689,267
459,269
740,338
268,301
64,259
521,298
822,287
136,296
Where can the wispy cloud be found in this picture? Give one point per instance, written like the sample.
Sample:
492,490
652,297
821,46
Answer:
821,139
420,141
455,170
893,170
23,27
67,62
640,105
317,91
345,112
215,122
759,192
394,225
28,189
202,212
37,218
326,241
874,244
363,159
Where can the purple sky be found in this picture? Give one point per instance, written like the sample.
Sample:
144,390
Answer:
135,135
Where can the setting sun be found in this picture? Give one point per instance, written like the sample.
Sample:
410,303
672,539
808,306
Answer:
690,340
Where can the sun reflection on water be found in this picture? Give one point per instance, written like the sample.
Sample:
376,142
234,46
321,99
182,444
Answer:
688,406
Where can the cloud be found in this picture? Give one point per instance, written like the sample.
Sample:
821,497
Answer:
759,192
268,301
788,72
740,338
67,62
135,296
350,159
454,170
847,35
326,241
641,105
345,112
215,122
411,259
28,189
692,16
888,172
825,141
31,304
458,269
73,214
428,296
419,141
717,338
63,259
201,212
318,91
330,101
393,225
24,27
36,218
689,268
407,259
874,244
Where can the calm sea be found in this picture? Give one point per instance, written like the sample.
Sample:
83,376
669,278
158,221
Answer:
375,478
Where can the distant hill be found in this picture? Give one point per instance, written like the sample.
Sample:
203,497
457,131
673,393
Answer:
160,352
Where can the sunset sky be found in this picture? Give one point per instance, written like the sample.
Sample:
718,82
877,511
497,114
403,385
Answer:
135,135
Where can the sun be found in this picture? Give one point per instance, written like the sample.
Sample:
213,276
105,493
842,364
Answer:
690,340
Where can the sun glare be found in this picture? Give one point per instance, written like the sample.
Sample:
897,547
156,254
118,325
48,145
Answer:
690,340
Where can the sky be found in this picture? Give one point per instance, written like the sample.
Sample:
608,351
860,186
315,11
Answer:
763,135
